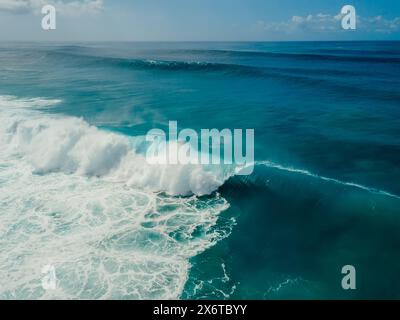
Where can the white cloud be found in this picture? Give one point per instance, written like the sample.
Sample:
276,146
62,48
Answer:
380,24
330,23
65,7
14,5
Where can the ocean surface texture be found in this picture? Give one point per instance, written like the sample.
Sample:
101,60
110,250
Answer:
77,194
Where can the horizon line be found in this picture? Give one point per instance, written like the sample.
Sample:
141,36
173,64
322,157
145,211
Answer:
197,41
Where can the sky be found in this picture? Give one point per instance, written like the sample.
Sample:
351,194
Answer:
198,20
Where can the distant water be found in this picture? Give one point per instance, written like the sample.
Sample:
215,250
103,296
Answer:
76,192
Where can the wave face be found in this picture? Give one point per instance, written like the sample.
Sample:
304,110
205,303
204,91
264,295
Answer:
82,200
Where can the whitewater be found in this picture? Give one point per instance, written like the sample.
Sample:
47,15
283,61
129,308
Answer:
82,200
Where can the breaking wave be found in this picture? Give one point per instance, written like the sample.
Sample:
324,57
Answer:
70,145
82,200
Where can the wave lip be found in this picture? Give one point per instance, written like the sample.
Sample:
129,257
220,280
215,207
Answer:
271,164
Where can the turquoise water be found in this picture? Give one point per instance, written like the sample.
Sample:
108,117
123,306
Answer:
76,192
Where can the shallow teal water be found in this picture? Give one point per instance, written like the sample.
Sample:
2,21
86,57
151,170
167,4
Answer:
324,193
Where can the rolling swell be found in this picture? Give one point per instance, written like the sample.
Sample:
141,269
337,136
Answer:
157,65
204,66
299,76
349,57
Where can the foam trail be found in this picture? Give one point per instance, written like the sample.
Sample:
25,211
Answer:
316,176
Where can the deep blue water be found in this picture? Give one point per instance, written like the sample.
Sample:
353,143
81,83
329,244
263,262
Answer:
325,191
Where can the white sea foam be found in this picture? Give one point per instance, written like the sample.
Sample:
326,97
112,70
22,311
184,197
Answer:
81,199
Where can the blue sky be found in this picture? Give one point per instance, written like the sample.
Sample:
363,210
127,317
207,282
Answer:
199,20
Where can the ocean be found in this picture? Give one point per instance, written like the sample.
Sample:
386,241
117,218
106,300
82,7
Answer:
77,195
